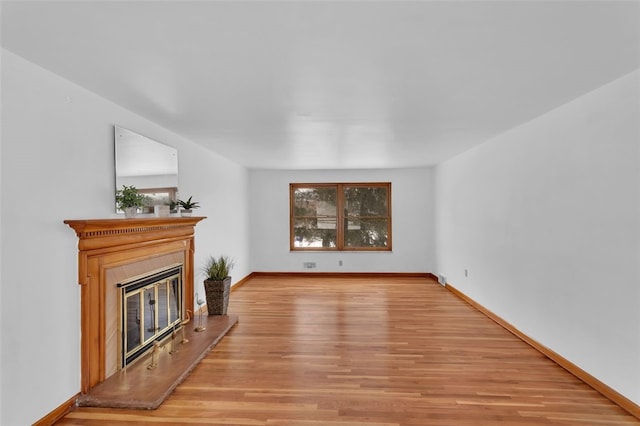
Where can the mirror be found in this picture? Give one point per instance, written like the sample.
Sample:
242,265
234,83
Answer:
150,166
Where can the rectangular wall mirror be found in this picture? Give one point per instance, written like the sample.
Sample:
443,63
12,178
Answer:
150,166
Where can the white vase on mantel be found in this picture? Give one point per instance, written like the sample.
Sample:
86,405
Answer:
186,213
130,212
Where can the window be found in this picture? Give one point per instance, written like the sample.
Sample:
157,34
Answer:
340,216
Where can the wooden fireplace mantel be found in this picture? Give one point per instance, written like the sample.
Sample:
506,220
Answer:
109,243
104,233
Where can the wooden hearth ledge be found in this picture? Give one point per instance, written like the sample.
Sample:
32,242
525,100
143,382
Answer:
139,387
107,244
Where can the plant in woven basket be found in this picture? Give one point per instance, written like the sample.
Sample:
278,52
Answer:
217,284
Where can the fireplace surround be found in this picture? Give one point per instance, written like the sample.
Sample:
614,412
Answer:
113,251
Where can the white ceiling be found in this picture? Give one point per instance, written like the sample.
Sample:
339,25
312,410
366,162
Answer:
345,84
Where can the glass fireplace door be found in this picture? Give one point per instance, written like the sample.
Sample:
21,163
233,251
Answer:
151,311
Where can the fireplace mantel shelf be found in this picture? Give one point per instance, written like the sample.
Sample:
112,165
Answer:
100,233
84,225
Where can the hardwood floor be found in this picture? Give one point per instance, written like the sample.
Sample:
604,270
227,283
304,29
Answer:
368,351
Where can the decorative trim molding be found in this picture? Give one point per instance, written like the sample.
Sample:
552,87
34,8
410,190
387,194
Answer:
242,281
611,394
105,233
344,274
58,413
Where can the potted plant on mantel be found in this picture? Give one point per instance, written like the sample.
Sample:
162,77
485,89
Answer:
188,206
217,285
173,206
129,200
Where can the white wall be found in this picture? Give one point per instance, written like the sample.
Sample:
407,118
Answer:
1,239
412,210
546,218
57,163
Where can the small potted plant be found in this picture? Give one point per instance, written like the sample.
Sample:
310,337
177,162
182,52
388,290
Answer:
217,284
188,206
129,200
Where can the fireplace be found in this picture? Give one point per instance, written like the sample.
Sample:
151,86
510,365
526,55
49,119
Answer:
150,310
130,271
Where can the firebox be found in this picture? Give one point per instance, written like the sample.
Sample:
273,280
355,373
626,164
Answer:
151,309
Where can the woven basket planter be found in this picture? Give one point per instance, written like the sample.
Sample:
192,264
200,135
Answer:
217,294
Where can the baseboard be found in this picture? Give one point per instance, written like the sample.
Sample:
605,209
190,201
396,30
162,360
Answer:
242,281
59,412
432,276
611,394
345,274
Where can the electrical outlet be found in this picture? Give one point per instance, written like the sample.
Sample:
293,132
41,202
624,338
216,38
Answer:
466,272
309,265
339,262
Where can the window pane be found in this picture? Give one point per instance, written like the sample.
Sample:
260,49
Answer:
149,313
173,301
132,321
366,233
366,201
315,232
315,202
163,306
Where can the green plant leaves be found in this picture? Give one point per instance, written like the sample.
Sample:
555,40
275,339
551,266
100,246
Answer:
217,269
129,196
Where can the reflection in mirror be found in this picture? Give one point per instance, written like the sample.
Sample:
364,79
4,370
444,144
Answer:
150,166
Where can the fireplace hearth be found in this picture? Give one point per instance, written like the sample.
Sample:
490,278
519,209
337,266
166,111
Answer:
139,387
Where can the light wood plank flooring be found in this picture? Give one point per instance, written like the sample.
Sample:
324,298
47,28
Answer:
368,351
